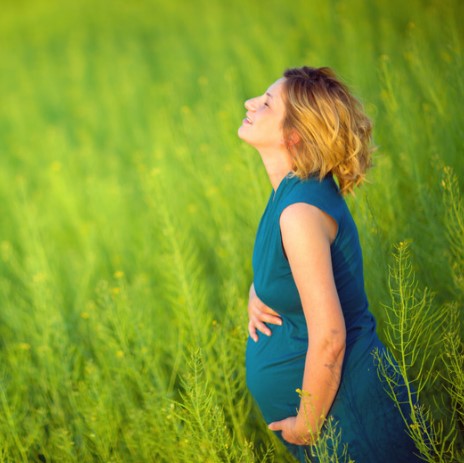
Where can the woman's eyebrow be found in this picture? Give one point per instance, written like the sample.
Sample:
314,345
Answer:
268,94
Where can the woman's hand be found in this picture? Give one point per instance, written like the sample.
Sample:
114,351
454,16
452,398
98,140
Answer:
259,314
290,431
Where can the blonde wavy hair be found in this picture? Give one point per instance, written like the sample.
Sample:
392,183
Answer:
334,134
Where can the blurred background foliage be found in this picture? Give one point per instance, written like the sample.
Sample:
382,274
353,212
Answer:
129,207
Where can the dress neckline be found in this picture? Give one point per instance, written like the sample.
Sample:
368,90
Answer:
281,185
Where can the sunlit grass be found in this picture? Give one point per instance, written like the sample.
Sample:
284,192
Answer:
129,209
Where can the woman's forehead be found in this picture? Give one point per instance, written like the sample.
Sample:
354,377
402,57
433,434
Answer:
275,89
276,85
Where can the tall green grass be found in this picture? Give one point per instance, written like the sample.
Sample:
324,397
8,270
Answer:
129,207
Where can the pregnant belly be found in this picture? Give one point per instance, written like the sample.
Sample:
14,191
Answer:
274,371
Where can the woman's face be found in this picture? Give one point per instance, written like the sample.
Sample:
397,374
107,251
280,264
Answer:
262,127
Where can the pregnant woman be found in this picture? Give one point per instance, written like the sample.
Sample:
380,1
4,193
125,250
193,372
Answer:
310,351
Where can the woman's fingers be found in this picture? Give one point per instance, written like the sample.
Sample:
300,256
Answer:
260,326
273,319
254,325
260,314
289,431
265,309
252,331
266,317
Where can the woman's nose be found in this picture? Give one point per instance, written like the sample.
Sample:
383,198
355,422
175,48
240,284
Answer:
249,104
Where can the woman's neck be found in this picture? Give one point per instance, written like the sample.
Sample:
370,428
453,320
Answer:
277,165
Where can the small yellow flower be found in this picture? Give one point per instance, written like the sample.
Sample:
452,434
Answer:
85,315
119,354
39,277
6,250
409,56
55,166
44,349
192,208
446,57
89,368
211,191
115,291
90,306
118,274
24,346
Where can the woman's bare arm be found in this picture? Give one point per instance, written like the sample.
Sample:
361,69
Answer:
307,233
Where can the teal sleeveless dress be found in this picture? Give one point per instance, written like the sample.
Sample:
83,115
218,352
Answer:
367,419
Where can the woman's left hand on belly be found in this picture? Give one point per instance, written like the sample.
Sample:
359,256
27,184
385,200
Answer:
291,431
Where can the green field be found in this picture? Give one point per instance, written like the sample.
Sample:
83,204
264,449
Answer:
129,208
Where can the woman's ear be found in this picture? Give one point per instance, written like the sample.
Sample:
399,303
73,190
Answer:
294,138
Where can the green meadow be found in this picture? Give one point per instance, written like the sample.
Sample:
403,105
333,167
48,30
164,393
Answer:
128,209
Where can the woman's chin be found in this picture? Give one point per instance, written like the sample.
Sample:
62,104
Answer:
242,133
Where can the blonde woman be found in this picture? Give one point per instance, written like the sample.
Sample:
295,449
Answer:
309,323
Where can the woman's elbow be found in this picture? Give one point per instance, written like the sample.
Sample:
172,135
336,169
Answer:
333,346
339,348
336,346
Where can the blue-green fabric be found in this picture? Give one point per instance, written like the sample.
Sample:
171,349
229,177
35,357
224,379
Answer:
369,422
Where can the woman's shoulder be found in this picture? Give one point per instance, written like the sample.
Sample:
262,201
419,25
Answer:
313,190
323,194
